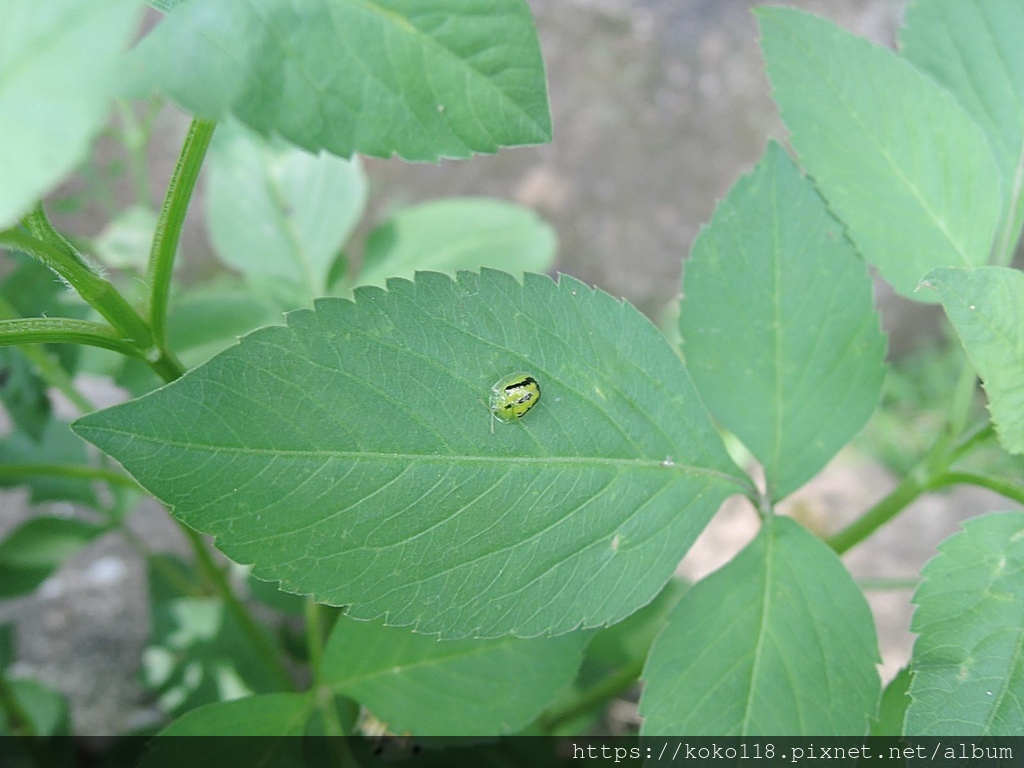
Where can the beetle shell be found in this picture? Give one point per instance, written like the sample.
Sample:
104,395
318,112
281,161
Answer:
513,396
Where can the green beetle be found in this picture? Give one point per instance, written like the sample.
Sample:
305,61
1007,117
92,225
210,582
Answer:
513,396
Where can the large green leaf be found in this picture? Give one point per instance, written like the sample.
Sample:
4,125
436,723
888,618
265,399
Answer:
968,661
58,61
350,455
973,48
423,686
277,211
423,79
458,233
778,642
986,306
897,158
778,326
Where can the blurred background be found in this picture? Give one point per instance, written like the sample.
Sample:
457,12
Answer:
658,107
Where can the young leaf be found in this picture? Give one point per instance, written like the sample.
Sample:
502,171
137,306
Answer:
277,211
778,326
458,233
968,662
895,156
777,642
893,708
423,80
420,685
985,306
36,548
46,708
350,455
57,66
972,47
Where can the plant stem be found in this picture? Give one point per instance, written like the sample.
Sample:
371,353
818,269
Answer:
314,637
75,471
89,284
903,494
168,228
257,636
1004,488
595,696
64,330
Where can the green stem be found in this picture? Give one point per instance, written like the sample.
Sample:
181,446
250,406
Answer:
1004,488
168,228
593,697
75,471
885,510
314,637
64,330
257,636
89,284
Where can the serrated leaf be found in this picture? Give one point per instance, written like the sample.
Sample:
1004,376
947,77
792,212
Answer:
57,66
897,158
778,326
972,47
458,233
279,212
36,548
968,662
423,686
57,447
985,306
424,79
778,642
350,455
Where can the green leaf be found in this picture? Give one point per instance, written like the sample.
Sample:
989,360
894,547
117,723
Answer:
985,306
279,212
58,447
46,708
968,662
778,326
458,233
896,157
350,455
423,686
198,653
972,47
424,79
57,67
23,393
36,548
780,641
893,707
280,715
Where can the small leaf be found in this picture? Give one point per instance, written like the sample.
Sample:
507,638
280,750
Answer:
458,233
423,686
778,326
46,709
896,157
23,393
35,549
893,708
985,306
351,456
277,211
423,80
276,717
972,47
57,68
57,447
968,662
779,641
